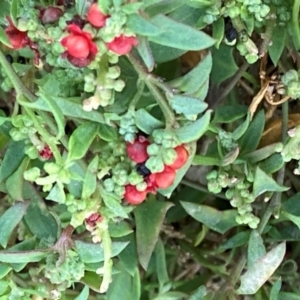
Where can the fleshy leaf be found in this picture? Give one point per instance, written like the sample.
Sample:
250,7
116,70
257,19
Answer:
149,217
262,270
9,220
219,221
265,183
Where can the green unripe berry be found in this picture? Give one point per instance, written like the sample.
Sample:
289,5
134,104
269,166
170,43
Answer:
169,155
293,89
109,185
119,190
134,178
119,85
16,135
229,194
114,72
155,164
52,168
32,152
64,176
121,177
153,149
212,175
32,174
141,186
214,187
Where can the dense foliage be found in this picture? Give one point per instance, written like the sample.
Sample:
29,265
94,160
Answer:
149,149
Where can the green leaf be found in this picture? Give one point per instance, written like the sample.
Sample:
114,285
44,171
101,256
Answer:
203,160
149,217
229,113
3,38
84,295
250,140
92,280
193,131
146,122
237,240
241,129
37,218
288,296
220,221
93,253
218,29
90,179
256,248
141,26
163,7
145,52
81,139
187,105
277,43
57,193
261,271
180,36
112,202
22,256
161,265
120,288
264,183
191,147
171,296
71,107
4,270
15,182
224,65
119,229
131,8
14,11
81,7
193,80
9,220
272,164
199,293
163,53
13,157
274,293
129,255
56,111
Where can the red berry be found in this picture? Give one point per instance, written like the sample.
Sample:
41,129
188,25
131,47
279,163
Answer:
50,15
77,46
46,153
137,151
165,178
182,157
18,39
96,17
133,196
122,44
93,219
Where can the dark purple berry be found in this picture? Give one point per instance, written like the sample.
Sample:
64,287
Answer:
142,169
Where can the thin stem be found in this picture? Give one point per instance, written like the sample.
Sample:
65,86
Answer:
267,36
19,86
46,136
295,23
276,199
137,96
107,268
201,188
151,83
232,83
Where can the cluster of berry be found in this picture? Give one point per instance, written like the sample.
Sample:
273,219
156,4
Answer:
138,153
80,45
